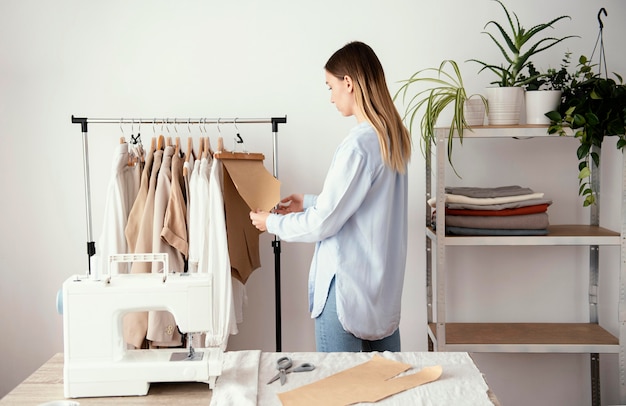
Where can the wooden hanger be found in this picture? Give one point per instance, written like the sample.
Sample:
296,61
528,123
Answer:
152,144
130,158
190,152
207,148
221,153
201,147
160,142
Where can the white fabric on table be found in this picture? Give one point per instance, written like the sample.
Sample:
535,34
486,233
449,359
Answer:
238,384
460,384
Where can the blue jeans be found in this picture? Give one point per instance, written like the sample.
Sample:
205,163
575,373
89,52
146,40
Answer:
331,337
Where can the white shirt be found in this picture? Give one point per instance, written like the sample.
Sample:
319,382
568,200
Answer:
208,247
122,190
359,222
224,322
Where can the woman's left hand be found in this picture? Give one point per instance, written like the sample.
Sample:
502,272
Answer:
259,217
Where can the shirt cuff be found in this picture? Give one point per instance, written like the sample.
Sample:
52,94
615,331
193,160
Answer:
309,201
270,223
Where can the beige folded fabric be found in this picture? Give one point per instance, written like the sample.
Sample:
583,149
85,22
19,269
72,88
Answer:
369,382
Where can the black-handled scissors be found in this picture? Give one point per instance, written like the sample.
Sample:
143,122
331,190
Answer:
283,364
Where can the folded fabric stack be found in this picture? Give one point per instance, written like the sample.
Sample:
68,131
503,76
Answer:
504,210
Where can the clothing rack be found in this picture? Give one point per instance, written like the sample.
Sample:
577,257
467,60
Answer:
274,121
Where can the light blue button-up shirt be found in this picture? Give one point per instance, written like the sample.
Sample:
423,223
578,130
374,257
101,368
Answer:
359,222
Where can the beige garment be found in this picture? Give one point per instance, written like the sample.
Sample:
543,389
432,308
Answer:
247,186
136,212
368,382
162,330
243,237
161,203
135,324
175,223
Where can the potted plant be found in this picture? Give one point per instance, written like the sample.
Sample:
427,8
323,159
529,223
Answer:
517,49
445,92
593,107
543,94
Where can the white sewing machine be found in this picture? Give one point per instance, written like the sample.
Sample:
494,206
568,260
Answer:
97,361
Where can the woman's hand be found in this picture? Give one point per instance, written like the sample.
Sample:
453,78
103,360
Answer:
259,218
291,204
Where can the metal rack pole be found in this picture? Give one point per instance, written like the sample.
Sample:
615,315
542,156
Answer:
276,242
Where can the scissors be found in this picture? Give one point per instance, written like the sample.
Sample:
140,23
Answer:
283,364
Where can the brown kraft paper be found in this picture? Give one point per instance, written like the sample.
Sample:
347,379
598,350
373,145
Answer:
367,382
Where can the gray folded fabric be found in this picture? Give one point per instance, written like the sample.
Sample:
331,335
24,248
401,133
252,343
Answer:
499,206
492,231
533,221
481,192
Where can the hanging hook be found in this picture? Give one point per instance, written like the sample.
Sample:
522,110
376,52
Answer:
602,11
239,139
137,139
218,126
121,128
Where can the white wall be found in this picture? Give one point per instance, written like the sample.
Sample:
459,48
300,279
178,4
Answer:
260,59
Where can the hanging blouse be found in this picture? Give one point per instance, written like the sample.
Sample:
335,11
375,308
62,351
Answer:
122,190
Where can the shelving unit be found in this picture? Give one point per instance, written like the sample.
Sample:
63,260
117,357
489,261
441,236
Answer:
525,337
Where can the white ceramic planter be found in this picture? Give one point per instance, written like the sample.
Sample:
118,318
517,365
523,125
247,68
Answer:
505,105
474,111
540,102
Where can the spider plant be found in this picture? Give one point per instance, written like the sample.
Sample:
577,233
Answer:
445,90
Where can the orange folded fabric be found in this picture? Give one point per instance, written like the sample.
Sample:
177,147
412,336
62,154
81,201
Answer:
538,208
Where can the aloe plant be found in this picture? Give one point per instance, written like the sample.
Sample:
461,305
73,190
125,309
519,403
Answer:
517,49
447,89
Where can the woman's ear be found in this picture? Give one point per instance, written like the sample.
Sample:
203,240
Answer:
348,82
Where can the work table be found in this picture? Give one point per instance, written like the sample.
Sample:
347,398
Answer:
245,375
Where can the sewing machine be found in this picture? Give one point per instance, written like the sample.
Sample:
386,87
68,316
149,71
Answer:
97,361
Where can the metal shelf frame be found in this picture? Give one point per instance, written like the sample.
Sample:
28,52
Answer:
515,337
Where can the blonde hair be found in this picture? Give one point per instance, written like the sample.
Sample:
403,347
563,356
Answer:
358,61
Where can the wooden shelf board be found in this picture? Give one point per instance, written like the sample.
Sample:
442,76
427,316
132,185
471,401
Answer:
562,234
578,334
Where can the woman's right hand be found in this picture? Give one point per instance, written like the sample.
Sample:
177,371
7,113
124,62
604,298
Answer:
291,204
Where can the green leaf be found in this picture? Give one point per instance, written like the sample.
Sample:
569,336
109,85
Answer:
554,116
583,150
584,173
589,200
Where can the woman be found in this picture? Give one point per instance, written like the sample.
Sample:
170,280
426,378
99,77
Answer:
359,220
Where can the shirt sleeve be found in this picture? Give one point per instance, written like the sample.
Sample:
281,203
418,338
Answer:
346,185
